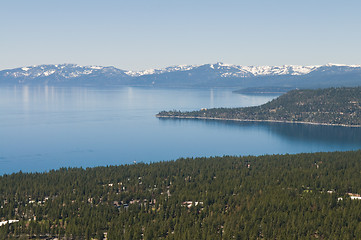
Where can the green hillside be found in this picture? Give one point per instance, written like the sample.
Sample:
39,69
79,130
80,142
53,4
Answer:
339,106
270,197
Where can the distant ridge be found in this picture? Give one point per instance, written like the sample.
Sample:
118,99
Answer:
206,75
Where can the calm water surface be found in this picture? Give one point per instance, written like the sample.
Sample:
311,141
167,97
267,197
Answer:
43,128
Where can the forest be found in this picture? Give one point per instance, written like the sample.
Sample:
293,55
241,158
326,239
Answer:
330,106
301,196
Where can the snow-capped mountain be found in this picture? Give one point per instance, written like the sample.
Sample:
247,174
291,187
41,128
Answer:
206,75
228,70
59,72
160,71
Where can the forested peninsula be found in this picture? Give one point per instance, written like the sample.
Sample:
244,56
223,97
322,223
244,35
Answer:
331,106
302,196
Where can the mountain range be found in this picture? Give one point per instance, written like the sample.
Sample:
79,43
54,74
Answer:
206,75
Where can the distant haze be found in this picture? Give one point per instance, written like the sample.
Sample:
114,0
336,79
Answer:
143,34
206,76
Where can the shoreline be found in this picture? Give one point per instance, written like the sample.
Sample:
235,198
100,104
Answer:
255,120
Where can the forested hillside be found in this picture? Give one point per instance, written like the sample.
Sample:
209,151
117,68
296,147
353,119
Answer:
270,197
338,106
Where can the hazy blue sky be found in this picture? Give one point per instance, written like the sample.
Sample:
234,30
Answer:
141,34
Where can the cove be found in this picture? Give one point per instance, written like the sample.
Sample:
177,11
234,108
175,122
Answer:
44,128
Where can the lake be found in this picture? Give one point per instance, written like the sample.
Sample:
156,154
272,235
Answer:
43,128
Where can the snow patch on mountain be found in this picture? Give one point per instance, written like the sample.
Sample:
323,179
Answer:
216,70
61,70
228,70
162,70
274,70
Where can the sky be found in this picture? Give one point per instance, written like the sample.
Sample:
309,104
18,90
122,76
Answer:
143,34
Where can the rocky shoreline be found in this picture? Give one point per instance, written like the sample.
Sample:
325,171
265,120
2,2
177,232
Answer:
257,120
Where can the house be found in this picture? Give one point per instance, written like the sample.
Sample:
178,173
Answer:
354,196
189,204
8,222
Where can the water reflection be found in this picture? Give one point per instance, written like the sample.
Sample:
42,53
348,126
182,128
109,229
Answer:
43,128
291,132
211,98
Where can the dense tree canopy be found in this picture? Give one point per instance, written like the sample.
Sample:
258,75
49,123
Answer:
339,106
271,197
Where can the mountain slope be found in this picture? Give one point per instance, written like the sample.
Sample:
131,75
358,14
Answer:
62,74
302,196
207,75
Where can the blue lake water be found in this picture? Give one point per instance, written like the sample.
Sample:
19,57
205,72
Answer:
43,128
